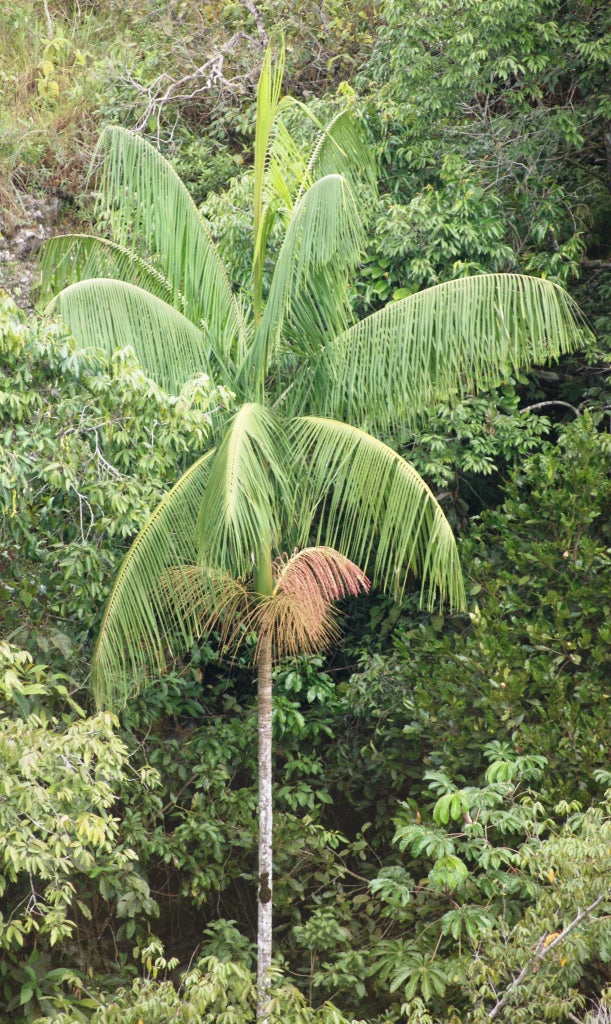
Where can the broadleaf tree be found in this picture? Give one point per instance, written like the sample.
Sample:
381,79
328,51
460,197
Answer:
295,470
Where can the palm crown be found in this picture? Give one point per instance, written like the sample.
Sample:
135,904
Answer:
297,358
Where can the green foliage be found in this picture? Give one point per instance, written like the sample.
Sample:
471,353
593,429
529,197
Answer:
464,449
386,894
450,231
466,728
211,992
205,166
60,848
511,864
73,68
199,808
494,738
491,851
295,345
51,89
489,118
572,870
87,445
530,666
441,816
335,42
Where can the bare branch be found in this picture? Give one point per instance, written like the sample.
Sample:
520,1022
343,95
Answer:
595,264
49,19
206,78
164,90
252,8
541,405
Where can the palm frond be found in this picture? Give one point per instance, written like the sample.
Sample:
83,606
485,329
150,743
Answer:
450,340
365,500
286,168
341,148
67,259
141,631
250,486
110,314
148,205
309,286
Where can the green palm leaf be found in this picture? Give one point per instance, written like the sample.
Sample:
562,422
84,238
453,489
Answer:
140,622
111,314
452,339
341,148
149,206
268,100
309,290
67,259
285,169
251,485
379,510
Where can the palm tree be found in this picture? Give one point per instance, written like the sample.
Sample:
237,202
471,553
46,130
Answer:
296,464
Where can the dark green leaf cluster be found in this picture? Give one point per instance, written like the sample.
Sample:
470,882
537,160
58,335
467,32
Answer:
490,124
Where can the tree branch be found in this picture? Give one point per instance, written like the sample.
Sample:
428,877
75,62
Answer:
163,90
595,264
541,952
49,19
541,405
252,8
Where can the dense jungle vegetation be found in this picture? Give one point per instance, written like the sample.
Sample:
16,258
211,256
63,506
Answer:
442,779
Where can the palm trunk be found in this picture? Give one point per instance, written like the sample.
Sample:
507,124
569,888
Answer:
264,902
263,587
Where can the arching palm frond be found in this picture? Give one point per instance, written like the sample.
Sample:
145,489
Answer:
251,485
149,206
110,314
310,281
451,339
341,148
372,505
67,259
141,621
